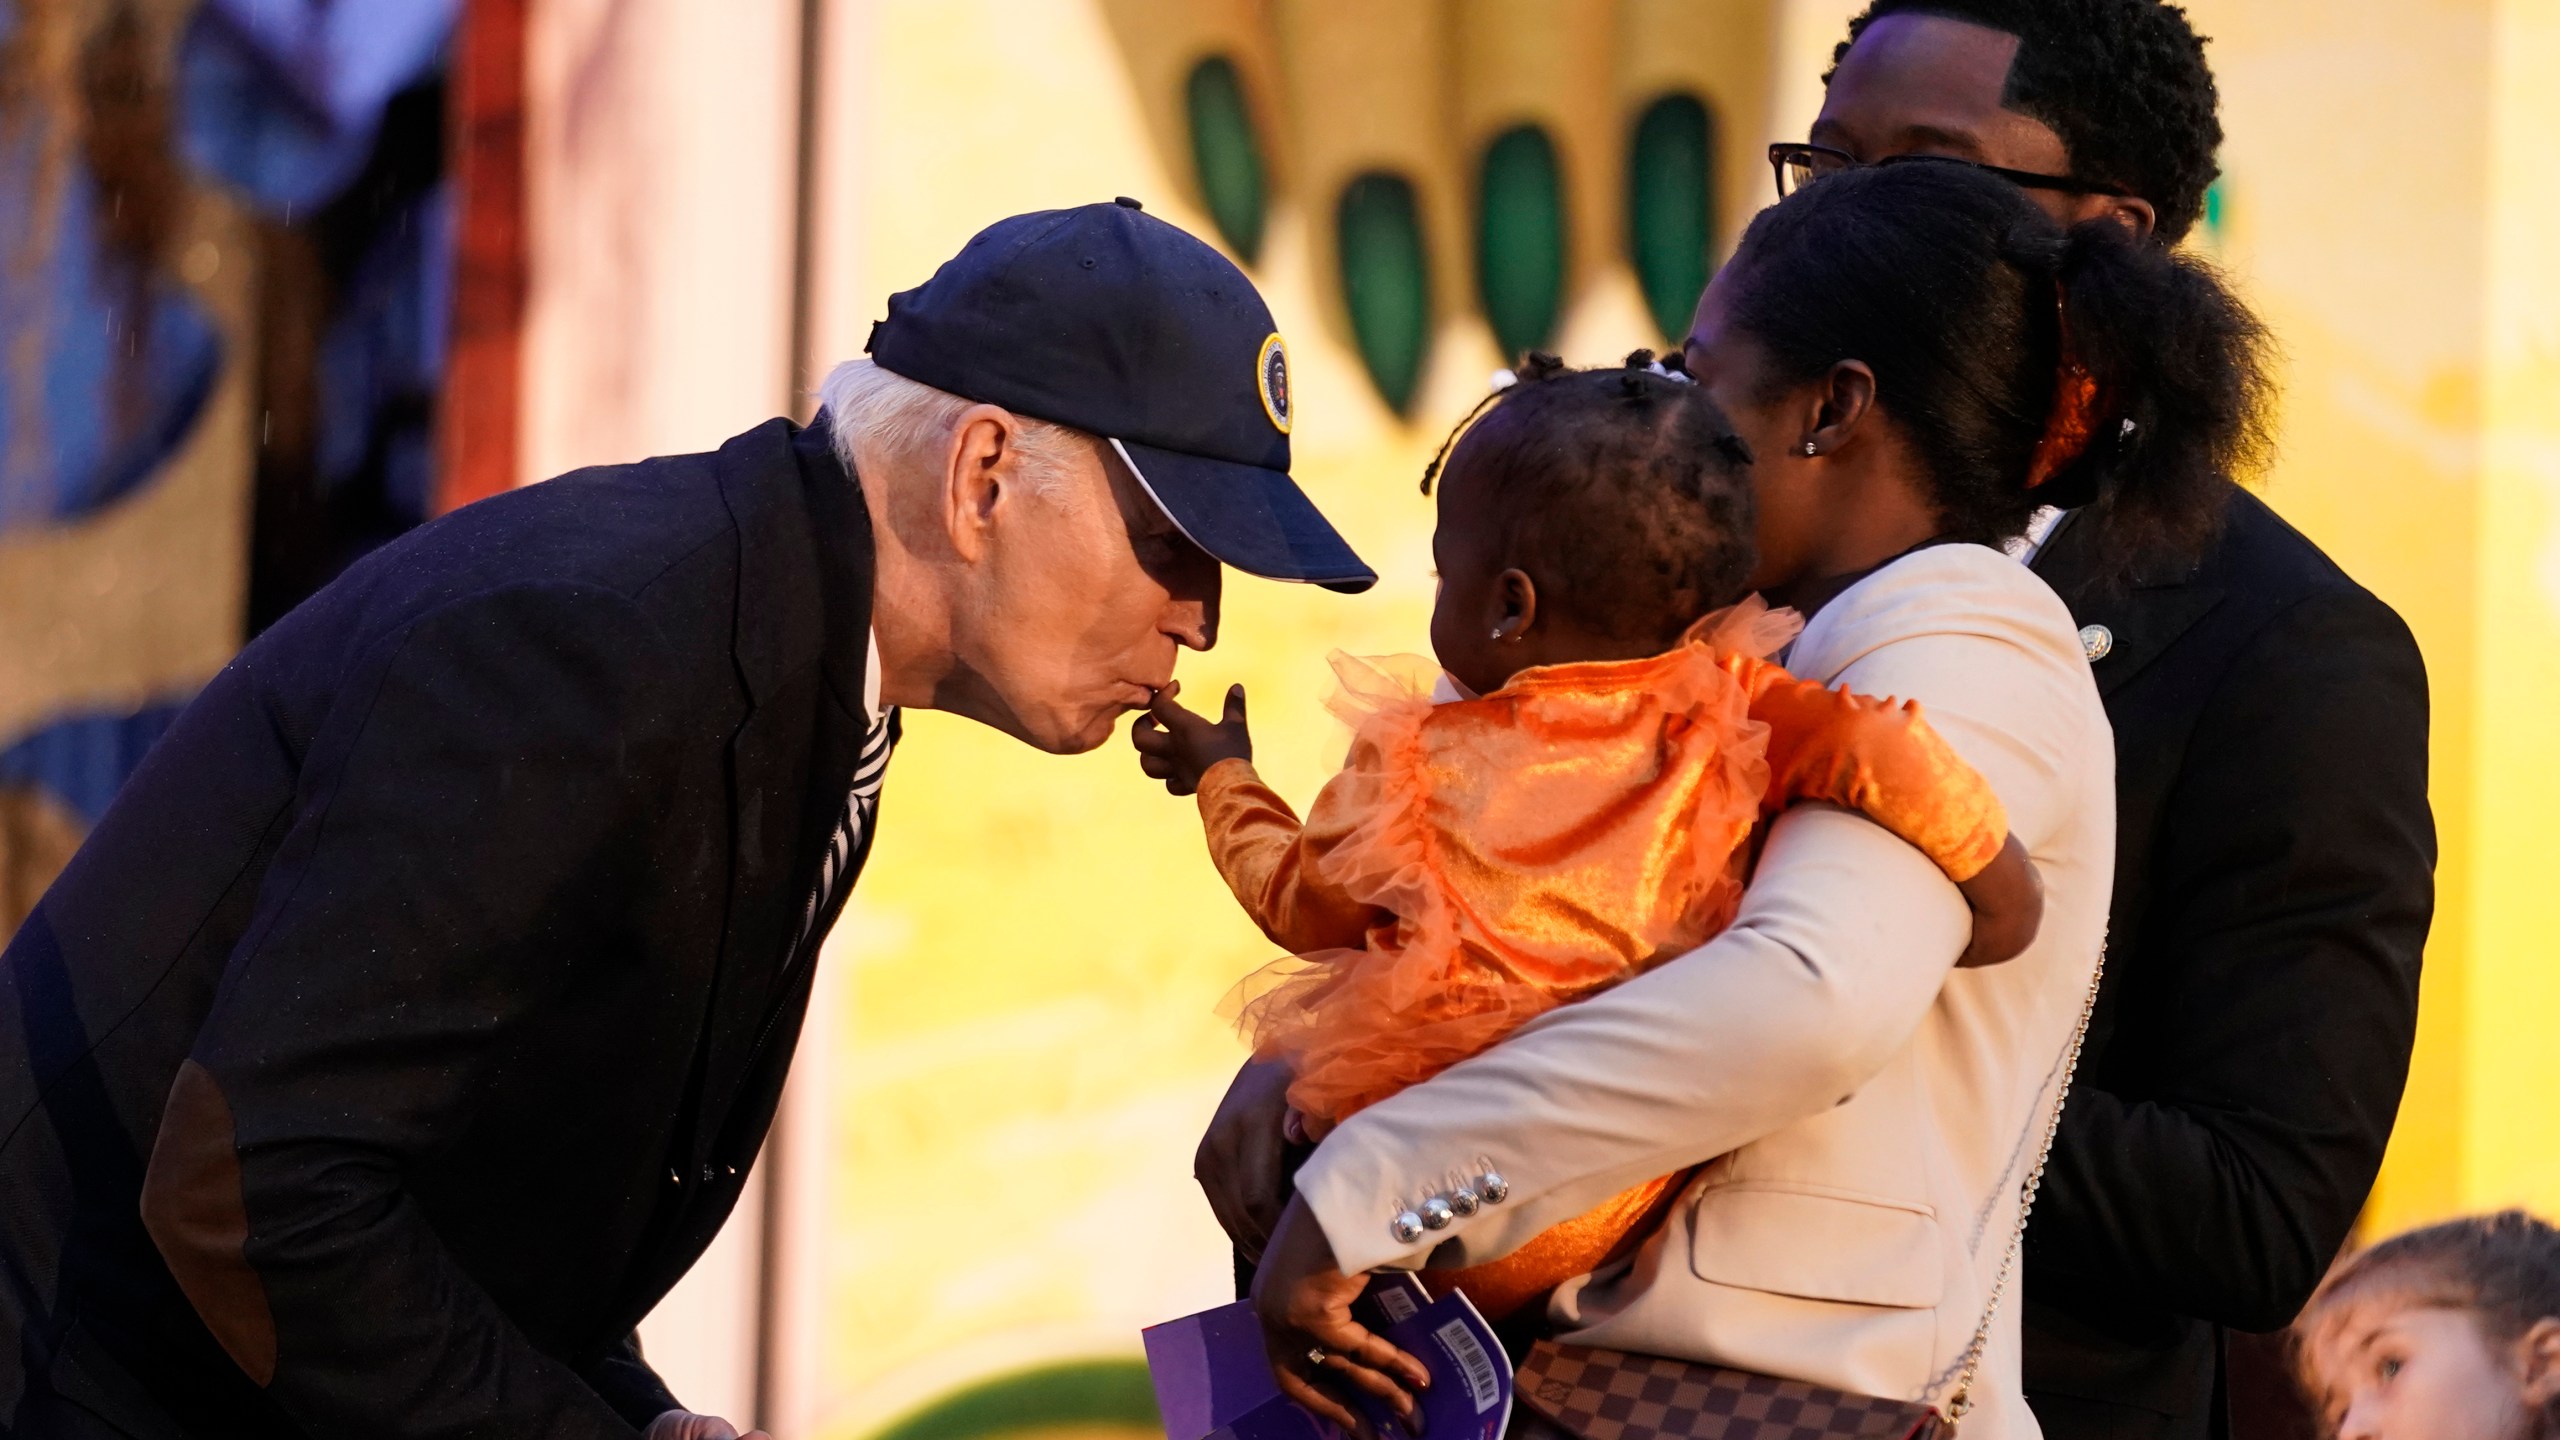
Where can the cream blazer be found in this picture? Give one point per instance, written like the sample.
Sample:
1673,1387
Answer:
1864,1110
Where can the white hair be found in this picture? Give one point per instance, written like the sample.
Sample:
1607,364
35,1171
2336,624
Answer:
891,420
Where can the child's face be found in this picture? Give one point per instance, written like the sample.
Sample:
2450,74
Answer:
2389,1368
1470,604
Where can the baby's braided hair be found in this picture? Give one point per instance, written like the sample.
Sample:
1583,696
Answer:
1623,491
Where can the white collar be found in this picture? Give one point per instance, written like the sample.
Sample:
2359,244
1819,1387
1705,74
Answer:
871,683
2025,547
1449,690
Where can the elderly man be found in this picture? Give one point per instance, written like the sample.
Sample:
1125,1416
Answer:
409,1025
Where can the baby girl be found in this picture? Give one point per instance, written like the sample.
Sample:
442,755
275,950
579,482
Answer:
1571,794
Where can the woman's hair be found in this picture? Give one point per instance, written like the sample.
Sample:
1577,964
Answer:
1623,492
2503,1269
1969,302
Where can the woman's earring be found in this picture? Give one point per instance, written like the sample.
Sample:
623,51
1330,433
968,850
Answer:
1811,449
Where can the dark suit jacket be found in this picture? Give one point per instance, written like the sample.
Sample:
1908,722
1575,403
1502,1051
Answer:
2274,880
439,967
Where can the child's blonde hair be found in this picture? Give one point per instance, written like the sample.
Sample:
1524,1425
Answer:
2502,1269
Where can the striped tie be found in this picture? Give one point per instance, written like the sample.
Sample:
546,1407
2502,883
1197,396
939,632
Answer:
846,847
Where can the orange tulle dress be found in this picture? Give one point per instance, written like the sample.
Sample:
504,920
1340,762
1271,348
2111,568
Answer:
1478,862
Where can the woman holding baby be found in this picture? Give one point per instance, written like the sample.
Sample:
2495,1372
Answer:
1778,1129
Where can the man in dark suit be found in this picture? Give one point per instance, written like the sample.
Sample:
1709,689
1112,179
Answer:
409,1024
2275,855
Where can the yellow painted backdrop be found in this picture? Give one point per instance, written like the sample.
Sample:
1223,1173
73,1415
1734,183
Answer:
1015,1048
2390,212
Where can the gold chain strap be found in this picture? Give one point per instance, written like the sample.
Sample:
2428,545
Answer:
1960,1400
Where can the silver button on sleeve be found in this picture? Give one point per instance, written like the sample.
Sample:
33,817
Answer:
1464,1201
1406,1227
1493,1187
1436,1214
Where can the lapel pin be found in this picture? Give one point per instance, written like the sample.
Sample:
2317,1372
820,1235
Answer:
2096,641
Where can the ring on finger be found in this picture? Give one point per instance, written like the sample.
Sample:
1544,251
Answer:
1316,1356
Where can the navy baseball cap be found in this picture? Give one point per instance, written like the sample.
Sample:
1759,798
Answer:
1109,320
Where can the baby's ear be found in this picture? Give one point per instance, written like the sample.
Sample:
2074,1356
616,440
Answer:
1517,595
2538,1362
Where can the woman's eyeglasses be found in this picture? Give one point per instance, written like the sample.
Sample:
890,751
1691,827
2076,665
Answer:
1799,165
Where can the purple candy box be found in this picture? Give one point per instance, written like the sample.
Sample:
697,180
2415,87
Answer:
1213,1381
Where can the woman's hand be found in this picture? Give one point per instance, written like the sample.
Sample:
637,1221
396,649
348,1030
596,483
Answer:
1178,747
1304,1301
2008,907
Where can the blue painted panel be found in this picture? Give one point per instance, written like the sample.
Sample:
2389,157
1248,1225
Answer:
82,760
127,356
282,97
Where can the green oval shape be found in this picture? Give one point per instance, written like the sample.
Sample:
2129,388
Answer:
1226,155
1520,238
1386,281
1104,1392
1671,207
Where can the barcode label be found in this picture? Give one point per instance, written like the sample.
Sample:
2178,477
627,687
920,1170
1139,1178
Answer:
1473,1362
1398,1304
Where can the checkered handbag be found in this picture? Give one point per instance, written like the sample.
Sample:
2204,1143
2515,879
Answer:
1615,1395
1618,1395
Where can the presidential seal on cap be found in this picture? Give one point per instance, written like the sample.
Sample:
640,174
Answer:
1118,324
1272,374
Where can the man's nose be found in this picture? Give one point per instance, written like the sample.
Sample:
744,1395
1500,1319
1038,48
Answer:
1191,616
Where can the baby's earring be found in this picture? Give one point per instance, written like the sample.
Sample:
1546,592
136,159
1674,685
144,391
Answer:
1811,449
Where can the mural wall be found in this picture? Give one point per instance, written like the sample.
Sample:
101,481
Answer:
980,1189
1025,993
1020,1046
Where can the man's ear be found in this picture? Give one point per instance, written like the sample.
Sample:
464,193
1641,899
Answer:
1515,604
2538,1362
977,475
1848,395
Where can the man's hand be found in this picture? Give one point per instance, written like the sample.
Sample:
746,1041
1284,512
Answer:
685,1425
1304,1301
1178,747
2008,907
1241,1160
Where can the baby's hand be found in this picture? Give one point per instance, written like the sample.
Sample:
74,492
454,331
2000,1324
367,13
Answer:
1178,747
2008,907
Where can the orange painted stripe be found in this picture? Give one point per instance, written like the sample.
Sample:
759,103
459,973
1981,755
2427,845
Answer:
484,366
